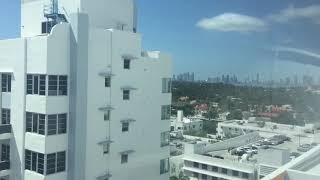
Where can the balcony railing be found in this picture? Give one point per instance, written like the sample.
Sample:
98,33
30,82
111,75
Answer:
5,128
4,165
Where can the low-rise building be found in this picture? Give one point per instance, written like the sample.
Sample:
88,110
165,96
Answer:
181,123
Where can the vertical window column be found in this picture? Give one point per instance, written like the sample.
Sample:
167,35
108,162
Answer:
5,116
6,82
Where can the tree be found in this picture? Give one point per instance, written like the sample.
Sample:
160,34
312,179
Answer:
237,114
211,114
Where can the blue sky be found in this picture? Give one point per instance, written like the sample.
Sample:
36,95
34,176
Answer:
213,37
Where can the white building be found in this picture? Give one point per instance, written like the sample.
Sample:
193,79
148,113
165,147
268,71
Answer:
184,124
79,96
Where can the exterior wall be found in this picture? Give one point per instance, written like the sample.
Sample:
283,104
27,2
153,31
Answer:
13,59
81,50
106,51
210,172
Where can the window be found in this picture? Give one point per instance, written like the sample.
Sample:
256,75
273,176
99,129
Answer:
56,162
204,166
5,152
58,85
107,82
52,124
53,86
164,166
165,112
126,63
36,84
5,116
6,82
126,94
245,175
106,115
40,168
203,176
166,85
125,127
51,163
195,164
61,161
165,139
194,174
214,178
235,173
124,158
106,148
214,169
34,161
62,123
35,123
63,85
224,171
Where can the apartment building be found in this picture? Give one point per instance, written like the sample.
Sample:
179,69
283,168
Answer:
79,95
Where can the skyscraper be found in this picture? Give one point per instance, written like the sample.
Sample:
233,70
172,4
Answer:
80,100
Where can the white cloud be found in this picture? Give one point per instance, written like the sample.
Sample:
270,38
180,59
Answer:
292,13
228,22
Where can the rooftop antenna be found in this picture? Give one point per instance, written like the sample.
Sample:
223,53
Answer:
51,12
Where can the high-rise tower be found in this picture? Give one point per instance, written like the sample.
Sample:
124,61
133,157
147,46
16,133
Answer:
80,99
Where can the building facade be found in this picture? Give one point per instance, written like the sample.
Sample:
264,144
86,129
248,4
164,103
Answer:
79,95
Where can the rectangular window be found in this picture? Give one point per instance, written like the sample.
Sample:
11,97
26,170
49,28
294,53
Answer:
35,123
214,169
245,175
6,82
203,176
40,169
34,161
106,148
224,171
29,84
61,161
204,166
51,163
126,94
63,86
165,139
195,164
5,152
124,158
5,116
62,123
166,85
53,86
42,121
28,159
126,63
42,85
52,124
107,82
36,84
235,173
125,127
165,112
164,166
106,115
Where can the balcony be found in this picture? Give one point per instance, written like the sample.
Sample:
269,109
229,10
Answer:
5,131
